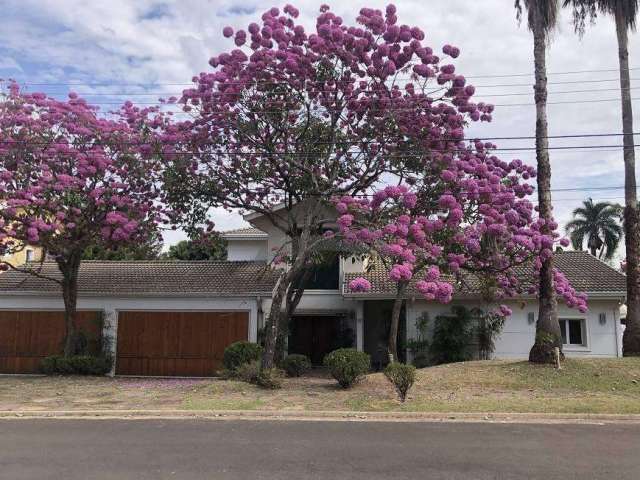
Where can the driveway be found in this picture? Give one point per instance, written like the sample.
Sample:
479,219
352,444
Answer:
225,449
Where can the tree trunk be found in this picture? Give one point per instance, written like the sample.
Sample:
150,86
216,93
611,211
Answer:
395,320
293,297
69,269
273,323
631,339
548,333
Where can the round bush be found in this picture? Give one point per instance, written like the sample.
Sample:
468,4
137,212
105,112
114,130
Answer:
248,372
296,365
402,377
270,379
347,365
239,353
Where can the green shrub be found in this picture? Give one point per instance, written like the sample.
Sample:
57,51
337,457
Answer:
239,353
452,337
76,365
270,378
48,365
402,377
248,372
347,365
296,365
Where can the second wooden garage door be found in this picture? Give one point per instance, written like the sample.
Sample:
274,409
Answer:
176,343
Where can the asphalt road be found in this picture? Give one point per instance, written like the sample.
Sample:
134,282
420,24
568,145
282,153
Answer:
208,449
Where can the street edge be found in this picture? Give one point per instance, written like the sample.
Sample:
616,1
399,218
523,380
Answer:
328,416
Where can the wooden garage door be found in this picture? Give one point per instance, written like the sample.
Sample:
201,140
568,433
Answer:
27,337
176,343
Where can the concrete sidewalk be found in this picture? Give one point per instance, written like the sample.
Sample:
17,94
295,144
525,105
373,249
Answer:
529,418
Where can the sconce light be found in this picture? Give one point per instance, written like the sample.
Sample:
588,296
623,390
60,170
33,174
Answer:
602,318
531,317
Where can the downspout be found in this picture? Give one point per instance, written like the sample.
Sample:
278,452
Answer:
259,316
616,321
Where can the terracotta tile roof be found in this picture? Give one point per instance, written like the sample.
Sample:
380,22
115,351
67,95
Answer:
248,232
152,278
585,272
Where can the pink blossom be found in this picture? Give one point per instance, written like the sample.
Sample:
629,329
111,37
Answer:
360,285
400,272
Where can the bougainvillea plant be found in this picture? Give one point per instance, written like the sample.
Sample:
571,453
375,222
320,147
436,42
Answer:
289,119
466,215
71,179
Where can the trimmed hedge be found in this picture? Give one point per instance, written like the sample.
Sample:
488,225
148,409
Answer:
240,353
347,365
76,365
296,365
402,377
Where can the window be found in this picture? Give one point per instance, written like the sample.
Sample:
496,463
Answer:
573,332
30,255
325,276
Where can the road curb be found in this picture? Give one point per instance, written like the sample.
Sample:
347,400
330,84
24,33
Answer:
541,418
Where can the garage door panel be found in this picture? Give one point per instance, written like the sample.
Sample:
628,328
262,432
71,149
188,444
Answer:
26,337
176,343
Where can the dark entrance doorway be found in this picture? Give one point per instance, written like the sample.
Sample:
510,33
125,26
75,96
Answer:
377,322
316,335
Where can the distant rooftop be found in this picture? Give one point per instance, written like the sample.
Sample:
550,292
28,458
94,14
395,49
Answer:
248,233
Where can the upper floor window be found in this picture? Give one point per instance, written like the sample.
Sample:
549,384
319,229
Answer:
30,255
325,276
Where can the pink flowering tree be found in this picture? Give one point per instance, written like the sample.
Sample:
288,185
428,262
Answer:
70,180
288,119
465,215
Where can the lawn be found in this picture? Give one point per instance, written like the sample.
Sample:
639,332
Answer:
582,386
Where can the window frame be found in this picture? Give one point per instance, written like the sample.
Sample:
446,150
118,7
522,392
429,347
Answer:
30,255
586,344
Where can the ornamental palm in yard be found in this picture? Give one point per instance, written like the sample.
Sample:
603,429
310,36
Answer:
625,13
542,16
598,224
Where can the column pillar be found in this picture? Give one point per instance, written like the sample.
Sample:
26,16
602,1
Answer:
110,337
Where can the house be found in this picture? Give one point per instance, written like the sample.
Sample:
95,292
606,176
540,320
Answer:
29,253
176,318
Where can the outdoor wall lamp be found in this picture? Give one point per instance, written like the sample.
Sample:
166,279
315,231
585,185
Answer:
531,317
602,318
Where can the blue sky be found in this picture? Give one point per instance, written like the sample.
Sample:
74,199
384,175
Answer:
112,50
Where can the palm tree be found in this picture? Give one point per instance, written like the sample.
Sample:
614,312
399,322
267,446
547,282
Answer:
625,13
599,224
542,16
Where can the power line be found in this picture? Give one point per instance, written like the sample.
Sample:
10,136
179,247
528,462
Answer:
399,109
275,83
377,143
179,94
553,73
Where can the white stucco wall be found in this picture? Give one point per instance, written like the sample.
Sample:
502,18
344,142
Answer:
518,334
247,250
322,300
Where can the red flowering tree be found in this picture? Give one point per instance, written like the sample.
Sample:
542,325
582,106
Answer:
290,119
69,180
466,213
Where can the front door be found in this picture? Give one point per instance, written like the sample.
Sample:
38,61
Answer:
314,336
